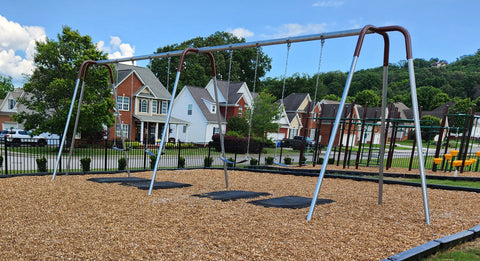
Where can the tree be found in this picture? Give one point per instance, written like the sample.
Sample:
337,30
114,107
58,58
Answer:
50,88
265,114
238,124
367,96
6,86
197,68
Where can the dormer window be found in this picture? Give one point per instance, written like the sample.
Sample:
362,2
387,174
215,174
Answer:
144,105
11,104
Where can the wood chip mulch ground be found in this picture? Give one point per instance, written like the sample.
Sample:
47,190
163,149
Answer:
73,218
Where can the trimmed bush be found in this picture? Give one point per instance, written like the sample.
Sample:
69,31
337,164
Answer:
207,162
41,164
269,160
122,164
253,161
230,164
235,144
181,162
85,162
287,160
153,159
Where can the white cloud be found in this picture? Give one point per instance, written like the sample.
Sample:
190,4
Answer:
241,32
116,49
328,3
290,30
17,48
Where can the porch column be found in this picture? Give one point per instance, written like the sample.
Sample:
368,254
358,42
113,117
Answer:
141,132
176,132
186,133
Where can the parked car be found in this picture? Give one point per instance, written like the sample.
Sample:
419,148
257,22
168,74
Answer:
296,143
17,137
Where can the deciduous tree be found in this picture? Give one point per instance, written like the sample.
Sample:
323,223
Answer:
50,88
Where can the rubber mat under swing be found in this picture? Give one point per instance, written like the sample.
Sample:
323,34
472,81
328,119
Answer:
228,195
293,202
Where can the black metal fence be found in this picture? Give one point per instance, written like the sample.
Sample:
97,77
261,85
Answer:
31,156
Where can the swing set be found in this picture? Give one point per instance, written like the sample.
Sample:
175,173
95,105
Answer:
369,29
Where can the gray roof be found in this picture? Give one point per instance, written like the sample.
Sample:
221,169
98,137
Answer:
439,111
291,116
293,101
147,76
372,112
331,110
199,94
233,95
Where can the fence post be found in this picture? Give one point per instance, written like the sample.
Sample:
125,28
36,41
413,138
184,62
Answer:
178,157
105,154
6,154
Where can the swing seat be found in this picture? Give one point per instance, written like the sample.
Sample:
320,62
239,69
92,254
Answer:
117,148
153,154
247,158
280,164
227,161
149,153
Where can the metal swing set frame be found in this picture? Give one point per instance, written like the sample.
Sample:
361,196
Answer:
368,29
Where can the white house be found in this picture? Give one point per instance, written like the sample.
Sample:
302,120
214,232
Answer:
8,107
196,106
234,99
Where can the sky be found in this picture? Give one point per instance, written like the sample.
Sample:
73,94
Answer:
443,29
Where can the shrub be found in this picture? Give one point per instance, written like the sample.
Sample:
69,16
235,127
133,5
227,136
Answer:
132,144
253,161
230,164
287,160
85,162
1,161
41,164
235,144
320,161
153,159
269,160
207,162
122,163
181,162
170,145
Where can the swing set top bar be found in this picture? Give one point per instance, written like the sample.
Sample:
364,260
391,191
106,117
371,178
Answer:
236,46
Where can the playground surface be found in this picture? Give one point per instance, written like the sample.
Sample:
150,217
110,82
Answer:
76,218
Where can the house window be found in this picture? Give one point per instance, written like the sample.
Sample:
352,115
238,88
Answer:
214,108
164,107
143,105
123,103
189,110
240,111
11,104
215,130
154,106
293,133
125,128
184,128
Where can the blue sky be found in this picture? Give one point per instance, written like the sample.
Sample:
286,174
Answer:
444,29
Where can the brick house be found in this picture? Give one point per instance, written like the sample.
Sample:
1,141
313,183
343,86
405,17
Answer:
143,104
